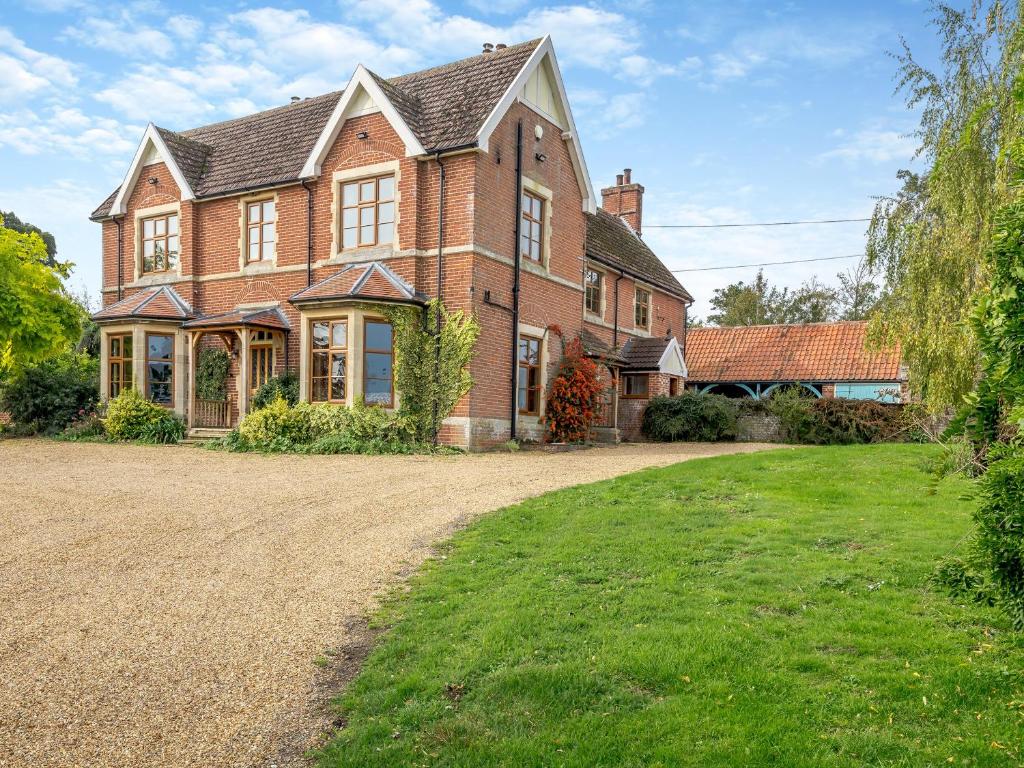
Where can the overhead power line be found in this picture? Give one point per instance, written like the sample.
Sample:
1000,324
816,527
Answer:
755,224
771,263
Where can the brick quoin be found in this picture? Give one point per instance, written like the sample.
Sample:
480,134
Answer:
479,243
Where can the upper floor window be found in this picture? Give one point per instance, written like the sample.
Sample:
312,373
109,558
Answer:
261,222
160,243
592,286
642,308
328,358
368,212
378,363
531,232
529,375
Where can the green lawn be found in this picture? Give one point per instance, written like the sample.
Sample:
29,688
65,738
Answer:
766,609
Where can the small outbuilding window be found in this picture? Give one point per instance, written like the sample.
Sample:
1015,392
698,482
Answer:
635,385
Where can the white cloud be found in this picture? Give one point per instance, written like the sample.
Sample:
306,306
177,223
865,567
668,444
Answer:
873,144
26,72
123,35
63,130
603,115
498,6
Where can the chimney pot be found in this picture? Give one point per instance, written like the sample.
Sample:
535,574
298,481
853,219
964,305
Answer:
488,47
626,174
500,47
625,199
296,99
618,180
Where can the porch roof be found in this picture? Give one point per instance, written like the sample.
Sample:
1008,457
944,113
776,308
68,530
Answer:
368,282
271,318
161,303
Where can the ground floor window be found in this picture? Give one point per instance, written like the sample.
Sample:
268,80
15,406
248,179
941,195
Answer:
635,385
529,375
329,355
261,359
378,363
119,362
160,368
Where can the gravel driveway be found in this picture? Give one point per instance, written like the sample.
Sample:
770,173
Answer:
165,605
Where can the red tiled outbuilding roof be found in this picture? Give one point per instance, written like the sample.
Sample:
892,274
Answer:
151,304
814,352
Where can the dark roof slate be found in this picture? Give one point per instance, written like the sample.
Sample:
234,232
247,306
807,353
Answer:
443,106
611,241
644,353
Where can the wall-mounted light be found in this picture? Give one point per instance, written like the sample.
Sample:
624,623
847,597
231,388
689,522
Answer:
541,157
362,135
153,180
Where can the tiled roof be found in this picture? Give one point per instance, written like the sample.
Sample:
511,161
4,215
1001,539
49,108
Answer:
611,241
151,304
644,354
594,346
271,318
443,106
372,281
815,352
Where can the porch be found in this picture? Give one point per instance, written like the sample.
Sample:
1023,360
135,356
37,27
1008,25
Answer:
255,344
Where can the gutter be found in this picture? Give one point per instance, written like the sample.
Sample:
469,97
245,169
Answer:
514,408
309,231
440,263
120,254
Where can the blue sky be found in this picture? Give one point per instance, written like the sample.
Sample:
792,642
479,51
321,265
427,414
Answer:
727,112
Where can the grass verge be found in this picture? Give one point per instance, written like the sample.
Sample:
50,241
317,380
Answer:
761,609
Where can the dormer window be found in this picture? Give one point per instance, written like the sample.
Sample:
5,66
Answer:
532,239
261,223
368,212
160,243
642,308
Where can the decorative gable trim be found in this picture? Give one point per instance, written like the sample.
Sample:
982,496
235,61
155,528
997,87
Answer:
364,80
672,360
545,50
151,138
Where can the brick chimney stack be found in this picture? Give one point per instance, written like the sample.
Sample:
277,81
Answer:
625,199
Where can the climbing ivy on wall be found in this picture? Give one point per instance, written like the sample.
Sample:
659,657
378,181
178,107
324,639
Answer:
212,374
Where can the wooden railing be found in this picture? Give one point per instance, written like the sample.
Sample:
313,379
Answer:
212,413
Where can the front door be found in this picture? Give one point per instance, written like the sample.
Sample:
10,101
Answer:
261,360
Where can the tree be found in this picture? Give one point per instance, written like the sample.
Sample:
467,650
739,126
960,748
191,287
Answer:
37,316
929,239
11,221
858,294
761,303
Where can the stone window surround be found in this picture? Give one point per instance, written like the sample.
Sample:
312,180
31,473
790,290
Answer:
591,266
338,178
154,277
537,189
542,334
256,267
138,331
356,317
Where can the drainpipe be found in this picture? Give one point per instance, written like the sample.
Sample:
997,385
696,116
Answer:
440,254
514,410
309,232
120,253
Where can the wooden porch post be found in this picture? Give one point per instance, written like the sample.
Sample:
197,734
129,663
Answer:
243,373
193,346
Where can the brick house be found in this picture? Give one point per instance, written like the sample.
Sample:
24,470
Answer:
827,359
280,237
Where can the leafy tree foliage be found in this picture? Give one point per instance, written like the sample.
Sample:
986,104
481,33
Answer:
37,316
858,293
48,395
11,221
930,238
432,371
760,303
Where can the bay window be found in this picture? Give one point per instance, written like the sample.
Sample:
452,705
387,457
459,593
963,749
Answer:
378,363
160,368
119,364
329,355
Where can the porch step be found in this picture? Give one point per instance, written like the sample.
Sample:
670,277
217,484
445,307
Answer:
202,434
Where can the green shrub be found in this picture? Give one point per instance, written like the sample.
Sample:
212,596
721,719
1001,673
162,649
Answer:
323,418
285,386
168,427
48,396
88,426
835,421
999,522
277,424
212,374
691,416
129,415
